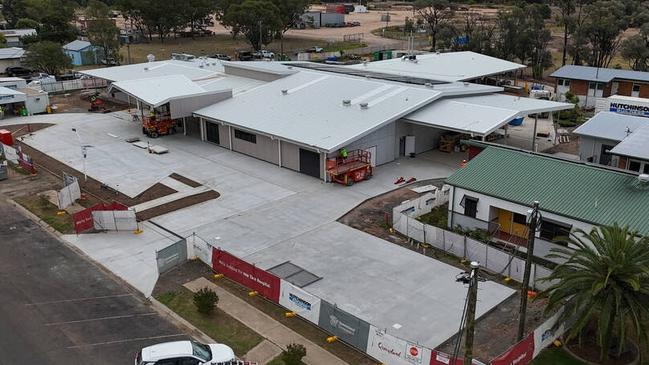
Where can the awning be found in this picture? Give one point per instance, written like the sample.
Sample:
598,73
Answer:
8,96
481,115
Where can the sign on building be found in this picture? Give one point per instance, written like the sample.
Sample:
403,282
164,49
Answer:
347,327
297,300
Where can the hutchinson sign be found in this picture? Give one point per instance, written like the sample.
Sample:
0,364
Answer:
629,108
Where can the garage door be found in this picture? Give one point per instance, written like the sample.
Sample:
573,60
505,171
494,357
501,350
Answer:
212,132
310,163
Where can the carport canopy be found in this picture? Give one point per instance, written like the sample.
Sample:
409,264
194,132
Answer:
8,96
481,115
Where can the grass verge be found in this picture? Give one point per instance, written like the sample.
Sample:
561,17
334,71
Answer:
555,356
278,361
219,325
45,210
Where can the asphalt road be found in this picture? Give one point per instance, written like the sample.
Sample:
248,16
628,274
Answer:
58,308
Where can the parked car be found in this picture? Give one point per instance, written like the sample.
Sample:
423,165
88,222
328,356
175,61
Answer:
18,71
262,53
314,49
221,56
356,23
184,353
245,56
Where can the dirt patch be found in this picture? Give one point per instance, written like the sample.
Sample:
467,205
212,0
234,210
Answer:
19,130
177,204
71,102
185,180
174,279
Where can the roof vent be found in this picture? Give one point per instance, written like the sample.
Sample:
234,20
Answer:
146,69
284,92
347,102
466,83
437,52
643,178
364,105
429,85
365,63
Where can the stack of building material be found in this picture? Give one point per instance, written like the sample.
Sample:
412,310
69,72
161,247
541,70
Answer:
447,142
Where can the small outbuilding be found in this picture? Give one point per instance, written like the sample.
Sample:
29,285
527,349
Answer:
81,53
14,36
10,57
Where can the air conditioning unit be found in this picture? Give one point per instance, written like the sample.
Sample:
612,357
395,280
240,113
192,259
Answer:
643,178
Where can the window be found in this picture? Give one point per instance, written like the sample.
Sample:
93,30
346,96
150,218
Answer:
188,361
520,219
636,88
564,82
551,229
245,136
470,205
595,85
645,170
634,165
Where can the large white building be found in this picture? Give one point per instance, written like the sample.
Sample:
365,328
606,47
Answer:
299,114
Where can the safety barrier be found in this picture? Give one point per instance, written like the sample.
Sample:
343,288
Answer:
84,220
70,85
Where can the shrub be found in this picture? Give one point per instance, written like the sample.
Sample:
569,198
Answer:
293,354
205,300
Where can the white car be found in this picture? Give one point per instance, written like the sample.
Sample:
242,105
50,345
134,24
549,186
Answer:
184,353
266,54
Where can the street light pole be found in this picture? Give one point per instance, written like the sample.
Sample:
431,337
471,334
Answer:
533,222
84,154
470,313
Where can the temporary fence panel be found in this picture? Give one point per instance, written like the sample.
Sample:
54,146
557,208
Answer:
476,251
69,194
114,220
547,332
347,327
68,85
498,261
10,153
201,249
246,274
297,300
521,353
440,358
26,162
171,256
454,243
394,351
83,219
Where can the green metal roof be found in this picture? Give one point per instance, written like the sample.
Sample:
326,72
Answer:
572,189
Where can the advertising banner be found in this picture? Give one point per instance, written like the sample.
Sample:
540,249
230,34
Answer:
26,162
304,304
441,358
520,354
10,153
246,274
347,327
83,220
394,351
547,332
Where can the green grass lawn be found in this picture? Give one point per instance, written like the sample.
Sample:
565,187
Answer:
219,325
437,217
45,210
555,356
222,43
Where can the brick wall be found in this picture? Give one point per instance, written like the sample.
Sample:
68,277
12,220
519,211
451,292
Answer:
579,87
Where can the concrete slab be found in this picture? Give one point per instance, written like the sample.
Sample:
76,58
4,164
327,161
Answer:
263,353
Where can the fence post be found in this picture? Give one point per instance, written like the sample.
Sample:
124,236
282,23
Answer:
444,240
464,255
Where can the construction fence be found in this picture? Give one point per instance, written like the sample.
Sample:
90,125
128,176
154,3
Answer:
71,85
492,259
356,332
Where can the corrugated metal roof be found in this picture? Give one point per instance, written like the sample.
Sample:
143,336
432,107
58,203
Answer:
589,73
481,114
609,125
635,145
77,45
18,32
307,108
571,189
11,52
156,91
196,69
451,66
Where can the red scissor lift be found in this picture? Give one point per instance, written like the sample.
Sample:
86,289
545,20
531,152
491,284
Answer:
357,166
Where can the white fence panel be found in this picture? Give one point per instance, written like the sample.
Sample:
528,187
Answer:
114,220
304,304
476,251
10,153
68,195
454,243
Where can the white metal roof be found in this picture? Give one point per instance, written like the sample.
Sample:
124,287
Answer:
609,125
77,45
588,73
235,83
635,145
451,66
8,95
157,91
11,52
18,32
481,114
195,69
307,108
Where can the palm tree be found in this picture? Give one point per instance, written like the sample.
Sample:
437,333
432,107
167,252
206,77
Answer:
605,280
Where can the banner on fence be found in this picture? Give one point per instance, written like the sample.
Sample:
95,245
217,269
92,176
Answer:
304,304
246,274
547,332
347,327
394,351
25,161
83,219
69,194
10,153
521,353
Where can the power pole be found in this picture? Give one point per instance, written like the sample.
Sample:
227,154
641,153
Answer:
470,312
533,222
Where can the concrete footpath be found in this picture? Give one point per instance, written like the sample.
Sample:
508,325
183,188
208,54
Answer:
274,332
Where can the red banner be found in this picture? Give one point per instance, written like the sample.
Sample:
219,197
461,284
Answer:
246,274
520,354
83,219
